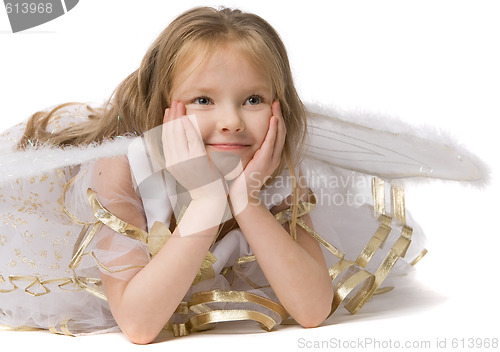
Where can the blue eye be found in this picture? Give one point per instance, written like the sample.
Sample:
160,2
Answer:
254,100
202,101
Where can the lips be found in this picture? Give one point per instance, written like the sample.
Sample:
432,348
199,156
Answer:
228,146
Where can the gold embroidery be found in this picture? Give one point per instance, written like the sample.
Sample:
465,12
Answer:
34,283
14,287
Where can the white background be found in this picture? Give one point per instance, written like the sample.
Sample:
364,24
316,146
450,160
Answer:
430,63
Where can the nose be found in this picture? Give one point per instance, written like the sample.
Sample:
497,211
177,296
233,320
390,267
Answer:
230,121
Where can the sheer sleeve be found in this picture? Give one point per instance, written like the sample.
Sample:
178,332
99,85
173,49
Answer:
115,243
120,255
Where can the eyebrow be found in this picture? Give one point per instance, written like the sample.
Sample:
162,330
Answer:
200,90
214,90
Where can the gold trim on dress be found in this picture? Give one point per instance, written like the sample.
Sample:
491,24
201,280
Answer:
398,203
346,275
375,242
205,318
107,218
378,193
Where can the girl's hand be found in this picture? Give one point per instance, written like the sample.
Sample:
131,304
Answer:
185,155
246,187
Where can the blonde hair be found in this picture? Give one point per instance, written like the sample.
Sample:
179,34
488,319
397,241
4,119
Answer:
139,102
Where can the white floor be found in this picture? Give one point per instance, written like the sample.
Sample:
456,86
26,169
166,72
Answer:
427,62
415,316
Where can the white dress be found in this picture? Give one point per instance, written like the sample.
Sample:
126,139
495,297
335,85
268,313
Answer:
56,236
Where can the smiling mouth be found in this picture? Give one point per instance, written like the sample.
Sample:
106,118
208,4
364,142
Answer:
228,146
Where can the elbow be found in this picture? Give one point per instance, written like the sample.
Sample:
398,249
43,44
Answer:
140,338
316,315
140,335
312,320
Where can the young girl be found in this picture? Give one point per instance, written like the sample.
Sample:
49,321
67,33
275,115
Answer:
185,201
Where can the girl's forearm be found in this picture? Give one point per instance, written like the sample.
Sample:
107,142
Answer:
300,280
144,305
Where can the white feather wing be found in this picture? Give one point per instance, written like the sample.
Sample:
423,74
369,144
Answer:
388,148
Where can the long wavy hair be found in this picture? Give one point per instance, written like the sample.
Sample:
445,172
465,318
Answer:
139,102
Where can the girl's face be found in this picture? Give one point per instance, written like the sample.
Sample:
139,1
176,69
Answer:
231,100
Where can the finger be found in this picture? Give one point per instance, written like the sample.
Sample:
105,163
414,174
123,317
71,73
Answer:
177,127
164,136
193,137
194,122
180,128
270,140
180,109
174,136
194,140
165,115
276,109
281,130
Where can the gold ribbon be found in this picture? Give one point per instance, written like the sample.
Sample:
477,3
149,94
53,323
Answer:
65,210
419,257
18,328
302,209
331,248
113,222
237,297
205,320
378,193
371,282
63,325
35,281
204,317
206,271
375,242
348,284
237,268
77,256
398,203
157,237
397,251
104,217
